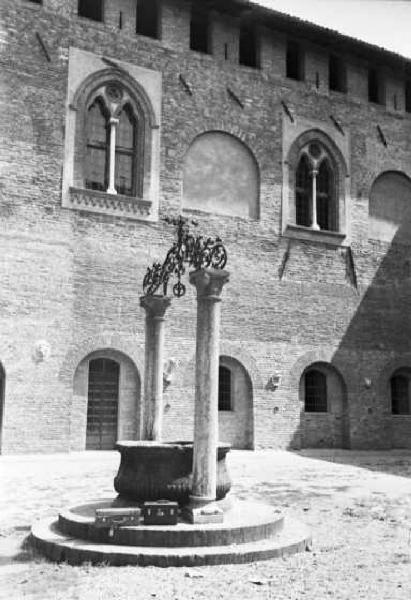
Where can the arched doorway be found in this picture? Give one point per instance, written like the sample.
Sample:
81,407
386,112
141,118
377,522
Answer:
2,386
102,405
235,404
324,407
106,403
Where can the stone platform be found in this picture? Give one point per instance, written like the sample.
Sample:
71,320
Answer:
250,532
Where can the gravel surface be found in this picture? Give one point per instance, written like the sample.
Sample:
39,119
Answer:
358,505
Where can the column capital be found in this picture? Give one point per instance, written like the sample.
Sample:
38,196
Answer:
209,282
155,306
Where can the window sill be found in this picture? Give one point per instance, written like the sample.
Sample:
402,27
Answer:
299,232
402,416
111,204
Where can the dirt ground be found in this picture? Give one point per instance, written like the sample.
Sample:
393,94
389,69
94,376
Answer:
358,505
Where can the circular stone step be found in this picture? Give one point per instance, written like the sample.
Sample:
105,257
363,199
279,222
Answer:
243,522
46,538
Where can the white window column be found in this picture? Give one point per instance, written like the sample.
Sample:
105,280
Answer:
314,223
112,158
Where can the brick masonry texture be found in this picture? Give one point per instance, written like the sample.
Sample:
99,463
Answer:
73,278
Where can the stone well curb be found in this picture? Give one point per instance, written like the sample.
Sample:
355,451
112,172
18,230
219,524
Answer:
45,537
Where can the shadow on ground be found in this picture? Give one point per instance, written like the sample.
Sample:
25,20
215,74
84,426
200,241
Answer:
392,462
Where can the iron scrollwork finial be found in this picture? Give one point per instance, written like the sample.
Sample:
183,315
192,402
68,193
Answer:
187,251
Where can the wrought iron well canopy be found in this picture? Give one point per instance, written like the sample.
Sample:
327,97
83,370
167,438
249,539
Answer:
187,251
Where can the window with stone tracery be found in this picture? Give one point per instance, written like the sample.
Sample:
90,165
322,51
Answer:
112,152
112,137
315,193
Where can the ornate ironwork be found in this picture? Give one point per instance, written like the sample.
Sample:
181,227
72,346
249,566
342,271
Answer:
187,251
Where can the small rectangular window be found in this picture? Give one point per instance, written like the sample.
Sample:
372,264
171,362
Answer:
408,96
36,1
294,61
147,18
199,31
248,47
91,9
337,74
375,89
224,388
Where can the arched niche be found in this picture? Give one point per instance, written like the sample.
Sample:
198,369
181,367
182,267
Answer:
221,175
390,207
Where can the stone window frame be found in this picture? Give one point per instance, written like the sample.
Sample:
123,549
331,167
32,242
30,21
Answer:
75,194
338,162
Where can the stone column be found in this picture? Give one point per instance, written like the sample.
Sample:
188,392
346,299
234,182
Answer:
112,162
209,284
155,307
314,223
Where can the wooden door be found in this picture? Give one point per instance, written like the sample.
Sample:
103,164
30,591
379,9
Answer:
102,408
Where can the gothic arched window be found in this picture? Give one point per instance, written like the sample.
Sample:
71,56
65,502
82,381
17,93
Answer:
315,194
97,146
303,193
126,153
112,142
112,138
325,196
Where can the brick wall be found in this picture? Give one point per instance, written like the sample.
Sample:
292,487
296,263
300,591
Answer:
73,278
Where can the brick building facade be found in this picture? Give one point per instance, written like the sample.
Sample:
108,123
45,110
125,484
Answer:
291,142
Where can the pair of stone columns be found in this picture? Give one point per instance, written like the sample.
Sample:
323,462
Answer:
209,284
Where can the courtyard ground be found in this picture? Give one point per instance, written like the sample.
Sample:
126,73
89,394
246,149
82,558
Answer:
358,505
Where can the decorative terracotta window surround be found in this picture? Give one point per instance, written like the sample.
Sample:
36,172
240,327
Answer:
96,201
333,238
296,141
145,104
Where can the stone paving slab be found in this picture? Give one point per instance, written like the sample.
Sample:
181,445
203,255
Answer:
357,505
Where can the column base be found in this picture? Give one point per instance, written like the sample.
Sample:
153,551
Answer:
201,509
